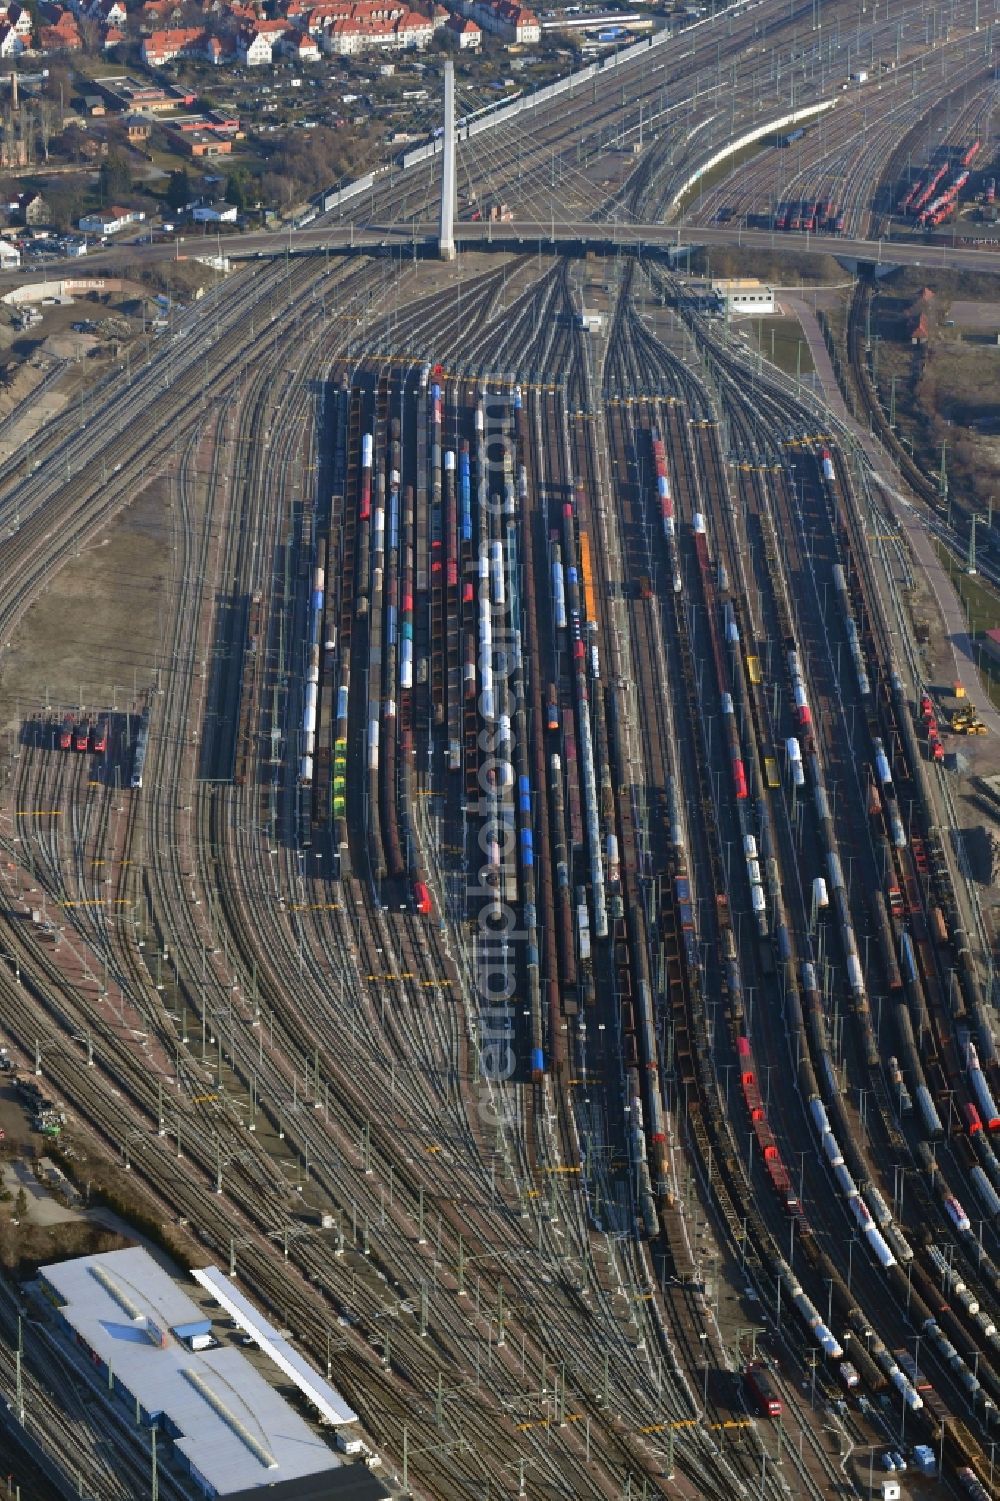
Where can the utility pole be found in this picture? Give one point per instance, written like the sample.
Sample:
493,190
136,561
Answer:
20,1385
982,520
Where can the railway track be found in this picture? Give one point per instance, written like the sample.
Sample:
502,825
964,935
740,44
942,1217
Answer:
789,528
341,1067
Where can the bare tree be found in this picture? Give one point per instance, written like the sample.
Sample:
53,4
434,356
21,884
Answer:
48,118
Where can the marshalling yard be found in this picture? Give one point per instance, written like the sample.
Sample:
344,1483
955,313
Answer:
481,848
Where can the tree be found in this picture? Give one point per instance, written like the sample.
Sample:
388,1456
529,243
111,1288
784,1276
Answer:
115,175
21,1203
58,87
278,189
74,142
241,189
65,201
90,35
49,120
179,189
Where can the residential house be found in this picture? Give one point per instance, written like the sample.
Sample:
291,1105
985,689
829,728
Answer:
414,30
109,13
62,36
468,36
503,18
20,18
256,43
298,45
253,48
159,13
347,36
30,208
11,43
359,27
177,41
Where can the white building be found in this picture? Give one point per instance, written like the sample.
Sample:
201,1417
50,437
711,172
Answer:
110,221
214,213
503,18
256,48
467,34
12,44
744,295
141,1338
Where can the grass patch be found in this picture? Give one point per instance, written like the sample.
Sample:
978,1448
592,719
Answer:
982,607
778,267
780,340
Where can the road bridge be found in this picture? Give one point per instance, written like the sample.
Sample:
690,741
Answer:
421,240
658,240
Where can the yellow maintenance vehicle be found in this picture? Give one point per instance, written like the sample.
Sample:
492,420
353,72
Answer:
965,721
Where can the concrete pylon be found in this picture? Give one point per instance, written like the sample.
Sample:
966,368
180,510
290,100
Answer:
446,238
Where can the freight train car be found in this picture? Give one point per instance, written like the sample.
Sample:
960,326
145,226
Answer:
141,746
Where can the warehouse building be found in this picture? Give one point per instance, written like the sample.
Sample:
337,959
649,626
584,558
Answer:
217,1417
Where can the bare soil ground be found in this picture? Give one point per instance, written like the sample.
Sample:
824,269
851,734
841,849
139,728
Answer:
93,638
944,391
15,1122
70,346
30,356
980,316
